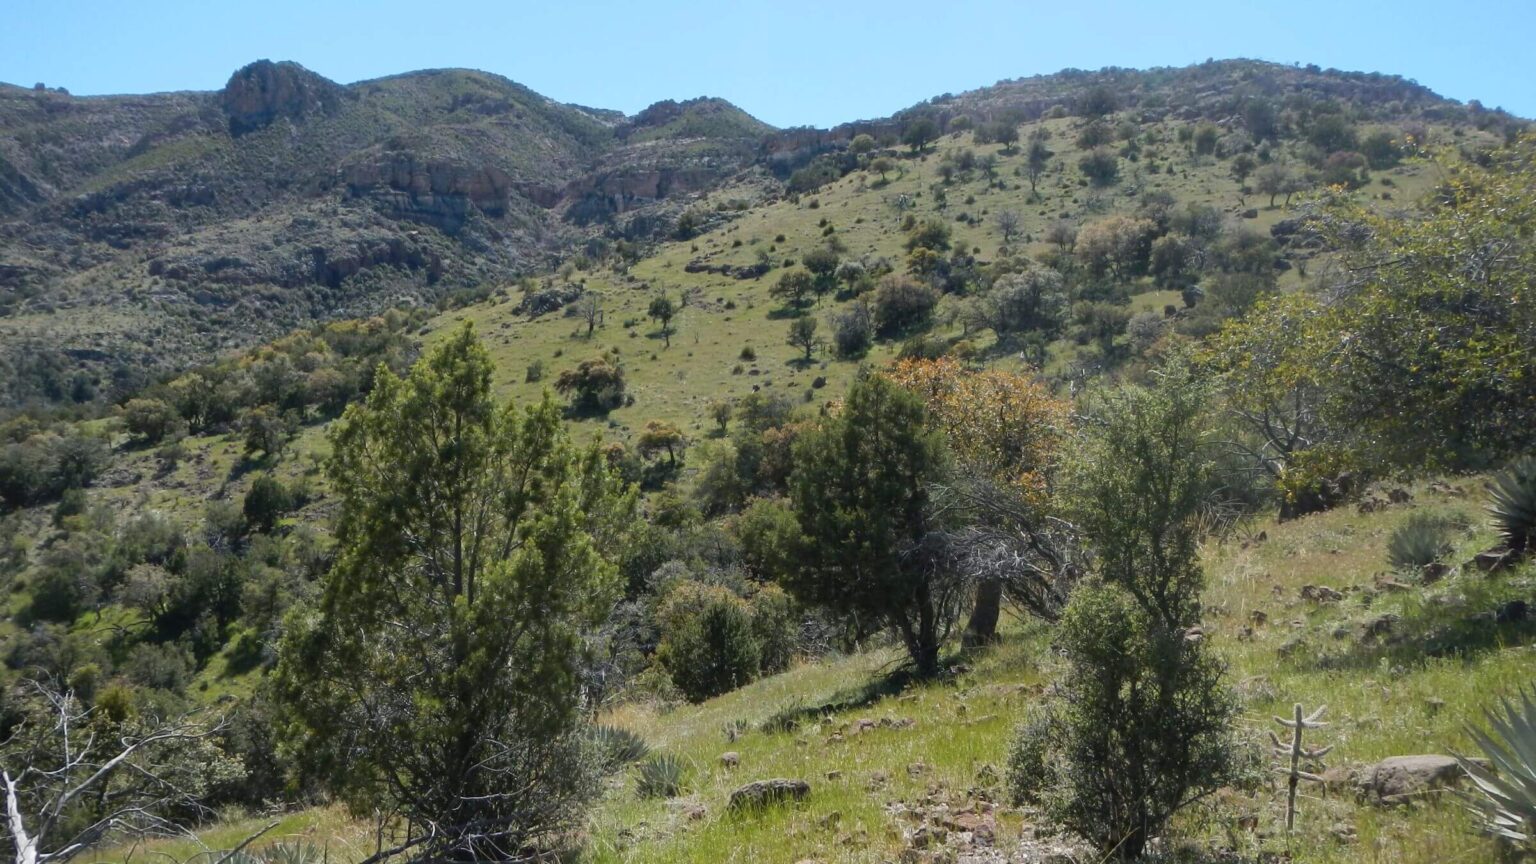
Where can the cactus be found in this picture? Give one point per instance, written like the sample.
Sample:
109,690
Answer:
1294,751
1513,504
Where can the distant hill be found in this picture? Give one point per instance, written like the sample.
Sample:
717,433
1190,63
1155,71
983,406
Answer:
148,232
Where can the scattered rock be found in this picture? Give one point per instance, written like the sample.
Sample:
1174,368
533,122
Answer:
1258,618
1399,495
1433,572
1381,625
730,759
834,775
761,793
917,769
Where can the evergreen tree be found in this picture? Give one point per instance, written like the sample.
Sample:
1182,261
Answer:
438,679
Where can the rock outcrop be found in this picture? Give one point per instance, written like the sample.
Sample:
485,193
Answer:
263,91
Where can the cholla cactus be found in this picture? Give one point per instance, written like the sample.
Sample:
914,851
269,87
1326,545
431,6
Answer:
1294,751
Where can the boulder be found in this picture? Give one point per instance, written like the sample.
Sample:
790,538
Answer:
762,793
1398,779
730,759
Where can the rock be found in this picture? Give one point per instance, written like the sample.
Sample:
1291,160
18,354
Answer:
1399,495
1433,572
1320,594
1258,618
730,759
830,820
761,793
877,780
917,769
1398,779
695,812
1511,612
1495,559
1381,625
834,775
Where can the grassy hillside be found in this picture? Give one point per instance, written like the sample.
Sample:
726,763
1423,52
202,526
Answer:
1408,689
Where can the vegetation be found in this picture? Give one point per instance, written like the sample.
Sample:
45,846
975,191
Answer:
509,561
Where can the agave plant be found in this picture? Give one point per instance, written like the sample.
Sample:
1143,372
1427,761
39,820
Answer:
297,852
1513,504
1421,539
617,747
1506,786
661,776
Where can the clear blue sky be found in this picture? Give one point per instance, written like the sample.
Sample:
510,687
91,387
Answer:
789,62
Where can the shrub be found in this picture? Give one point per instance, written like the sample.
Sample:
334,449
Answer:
595,386
150,420
1513,504
902,305
708,646
1423,538
661,776
1029,774
535,372
775,627
853,330
266,502
1101,167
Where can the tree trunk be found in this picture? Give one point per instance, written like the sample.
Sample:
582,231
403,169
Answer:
981,629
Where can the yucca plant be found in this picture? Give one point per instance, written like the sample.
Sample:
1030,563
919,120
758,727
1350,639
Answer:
1422,539
1513,504
297,852
617,747
661,776
1506,787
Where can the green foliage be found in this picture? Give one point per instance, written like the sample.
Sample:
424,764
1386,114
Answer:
1029,775
150,420
1506,788
919,133
595,386
902,305
1512,504
1144,720
1422,538
662,776
708,645
475,546
266,502
1101,166
860,495
617,746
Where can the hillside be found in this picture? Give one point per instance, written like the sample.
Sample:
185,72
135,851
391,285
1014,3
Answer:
147,233
738,406
144,233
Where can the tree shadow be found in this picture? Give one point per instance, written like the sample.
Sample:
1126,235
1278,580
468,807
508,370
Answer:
785,313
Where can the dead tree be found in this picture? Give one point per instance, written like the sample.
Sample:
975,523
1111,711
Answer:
72,778
1294,751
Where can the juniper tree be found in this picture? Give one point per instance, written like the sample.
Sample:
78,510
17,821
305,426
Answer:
438,679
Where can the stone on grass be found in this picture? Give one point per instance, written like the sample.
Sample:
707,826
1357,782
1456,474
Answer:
761,793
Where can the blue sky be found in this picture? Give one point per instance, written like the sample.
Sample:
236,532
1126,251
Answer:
788,62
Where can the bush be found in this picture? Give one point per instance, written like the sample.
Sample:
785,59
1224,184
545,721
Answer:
775,627
1422,539
853,330
708,646
1028,774
1101,167
595,386
902,305
266,502
1506,786
150,420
